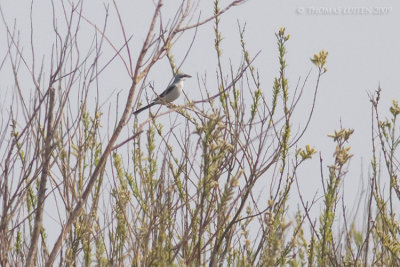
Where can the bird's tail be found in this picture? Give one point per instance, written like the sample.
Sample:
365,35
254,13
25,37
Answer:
144,108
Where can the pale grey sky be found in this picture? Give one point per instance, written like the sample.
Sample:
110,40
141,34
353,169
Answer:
362,40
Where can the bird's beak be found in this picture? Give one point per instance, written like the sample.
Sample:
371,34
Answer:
187,76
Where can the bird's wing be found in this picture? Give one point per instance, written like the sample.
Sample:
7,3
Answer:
167,91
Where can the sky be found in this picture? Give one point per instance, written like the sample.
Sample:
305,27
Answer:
362,39
362,42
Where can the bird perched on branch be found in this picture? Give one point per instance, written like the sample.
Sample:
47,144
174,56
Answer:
170,94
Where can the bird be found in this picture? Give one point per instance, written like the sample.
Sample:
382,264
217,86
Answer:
170,94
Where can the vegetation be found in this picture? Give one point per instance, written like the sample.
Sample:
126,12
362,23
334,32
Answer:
205,183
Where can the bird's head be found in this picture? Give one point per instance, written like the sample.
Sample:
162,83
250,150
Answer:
181,76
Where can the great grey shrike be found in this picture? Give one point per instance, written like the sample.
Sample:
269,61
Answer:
170,94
